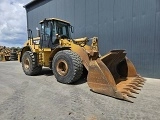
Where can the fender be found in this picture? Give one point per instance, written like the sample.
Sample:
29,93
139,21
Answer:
24,49
53,52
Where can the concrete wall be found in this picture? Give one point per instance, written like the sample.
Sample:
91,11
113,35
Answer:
133,25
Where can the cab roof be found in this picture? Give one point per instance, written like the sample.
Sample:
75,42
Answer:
55,19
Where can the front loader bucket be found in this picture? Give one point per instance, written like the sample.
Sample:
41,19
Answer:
114,75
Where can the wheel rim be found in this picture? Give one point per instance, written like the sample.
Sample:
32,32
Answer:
26,63
62,67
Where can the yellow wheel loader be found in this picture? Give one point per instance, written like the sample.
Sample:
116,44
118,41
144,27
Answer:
112,74
4,53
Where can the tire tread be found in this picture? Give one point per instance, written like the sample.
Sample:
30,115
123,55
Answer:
77,65
35,68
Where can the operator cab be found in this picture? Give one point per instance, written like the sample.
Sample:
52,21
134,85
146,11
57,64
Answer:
52,30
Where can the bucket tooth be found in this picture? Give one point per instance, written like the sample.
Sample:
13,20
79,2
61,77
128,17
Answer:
142,83
128,93
133,86
132,90
141,79
139,76
125,97
138,80
139,85
136,84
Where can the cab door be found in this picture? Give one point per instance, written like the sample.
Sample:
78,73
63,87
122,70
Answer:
45,34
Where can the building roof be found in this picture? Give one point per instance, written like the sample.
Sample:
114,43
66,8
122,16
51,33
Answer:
31,3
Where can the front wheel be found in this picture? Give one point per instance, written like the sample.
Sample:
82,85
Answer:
67,66
29,64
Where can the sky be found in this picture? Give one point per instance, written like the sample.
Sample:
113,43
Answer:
13,24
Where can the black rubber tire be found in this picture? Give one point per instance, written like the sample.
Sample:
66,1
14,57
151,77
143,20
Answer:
13,53
75,67
13,59
33,68
13,56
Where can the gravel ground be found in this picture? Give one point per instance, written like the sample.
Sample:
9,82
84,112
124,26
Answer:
43,98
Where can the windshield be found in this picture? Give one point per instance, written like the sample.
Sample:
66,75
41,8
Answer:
63,29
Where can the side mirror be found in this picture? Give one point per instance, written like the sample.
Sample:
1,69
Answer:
72,29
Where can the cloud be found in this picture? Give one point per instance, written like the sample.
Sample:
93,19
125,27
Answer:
13,30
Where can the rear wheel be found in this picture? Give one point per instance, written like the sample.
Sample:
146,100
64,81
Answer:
29,64
67,66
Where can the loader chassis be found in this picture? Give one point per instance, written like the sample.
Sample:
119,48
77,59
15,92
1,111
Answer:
112,74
